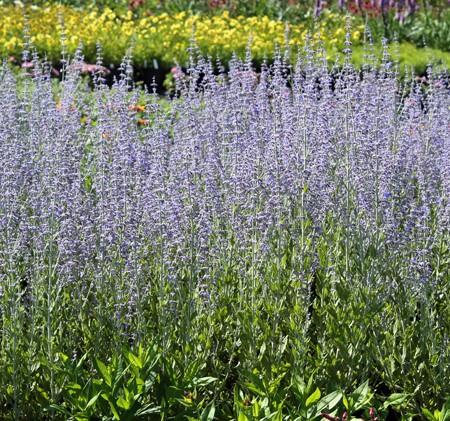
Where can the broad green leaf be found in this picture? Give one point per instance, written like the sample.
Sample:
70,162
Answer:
82,360
361,396
63,356
236,394
362,390
10,389
264,403
60,409
274,416
283,344
255,389
104,371
299,384
43,393
134,360
329,401
396,399
256,409
123,403
283,262
313,398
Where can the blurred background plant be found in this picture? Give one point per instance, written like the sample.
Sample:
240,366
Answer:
159,38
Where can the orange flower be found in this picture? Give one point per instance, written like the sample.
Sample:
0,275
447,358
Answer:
138,108
143,122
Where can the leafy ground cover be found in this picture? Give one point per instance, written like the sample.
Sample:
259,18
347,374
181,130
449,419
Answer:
269,245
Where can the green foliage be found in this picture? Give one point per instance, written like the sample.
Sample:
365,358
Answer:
430,30
438,415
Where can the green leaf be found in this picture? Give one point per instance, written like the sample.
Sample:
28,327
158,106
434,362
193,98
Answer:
371,251
283,262
92,401
396,399
104,371
310,383
236,394
313,398
361,396
123,403
262,350
114,411
283,344
82,360
329,401
63,356
256,409
148,409
345,402
134,360
208,412
428,415
43,393
445,412
255,389
73,386
362,390
242,417
60,409
204,381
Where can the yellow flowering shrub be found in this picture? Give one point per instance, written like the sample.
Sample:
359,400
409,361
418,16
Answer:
166,38
163,37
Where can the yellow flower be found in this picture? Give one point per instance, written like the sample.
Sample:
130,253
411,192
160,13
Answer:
11,43
164,36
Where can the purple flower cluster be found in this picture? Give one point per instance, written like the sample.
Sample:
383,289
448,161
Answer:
227,171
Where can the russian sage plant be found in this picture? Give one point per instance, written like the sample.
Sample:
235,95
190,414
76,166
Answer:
294,219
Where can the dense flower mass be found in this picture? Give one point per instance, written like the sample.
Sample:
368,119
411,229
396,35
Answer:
163,37
239,156
123,212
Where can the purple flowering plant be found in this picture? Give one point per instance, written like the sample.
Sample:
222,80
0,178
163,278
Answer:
254,228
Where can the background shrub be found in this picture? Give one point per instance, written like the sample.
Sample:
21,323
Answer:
163,40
